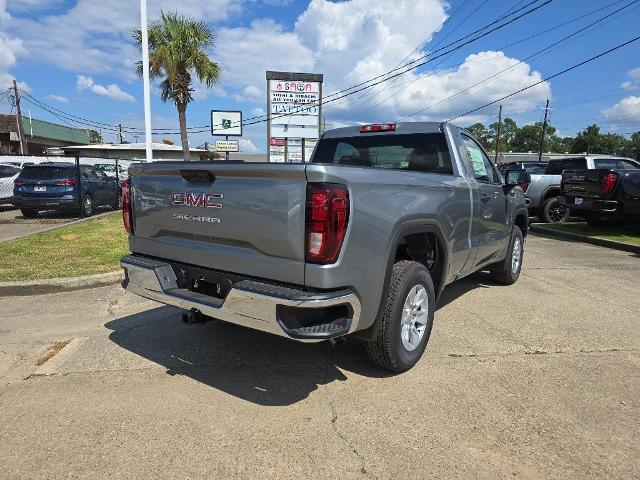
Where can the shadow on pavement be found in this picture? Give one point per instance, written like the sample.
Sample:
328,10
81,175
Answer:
255,366
258,367
459,288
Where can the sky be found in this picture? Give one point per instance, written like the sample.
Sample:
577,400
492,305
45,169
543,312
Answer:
78,57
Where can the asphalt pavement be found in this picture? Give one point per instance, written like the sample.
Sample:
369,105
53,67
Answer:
537,380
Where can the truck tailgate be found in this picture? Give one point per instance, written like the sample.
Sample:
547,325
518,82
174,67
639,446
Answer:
243,218
584,183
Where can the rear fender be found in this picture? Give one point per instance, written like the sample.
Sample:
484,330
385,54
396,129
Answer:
399,232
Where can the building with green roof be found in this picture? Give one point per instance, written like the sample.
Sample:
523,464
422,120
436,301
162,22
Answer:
39,135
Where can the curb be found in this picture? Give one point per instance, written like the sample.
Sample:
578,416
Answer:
57,285
600,242
54,227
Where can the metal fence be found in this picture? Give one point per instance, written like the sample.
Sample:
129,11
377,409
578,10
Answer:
52,190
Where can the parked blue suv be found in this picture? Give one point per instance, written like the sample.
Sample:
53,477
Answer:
54,186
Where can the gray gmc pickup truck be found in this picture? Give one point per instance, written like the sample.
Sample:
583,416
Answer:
361,240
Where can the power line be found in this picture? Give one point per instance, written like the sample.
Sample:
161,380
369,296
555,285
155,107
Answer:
562,72
413,67
406,84
345,92
529,57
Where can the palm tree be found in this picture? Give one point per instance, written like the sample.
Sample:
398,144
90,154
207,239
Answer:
177,52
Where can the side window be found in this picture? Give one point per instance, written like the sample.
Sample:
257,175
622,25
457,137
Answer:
605,163
480,164
628,164
89,172
574,164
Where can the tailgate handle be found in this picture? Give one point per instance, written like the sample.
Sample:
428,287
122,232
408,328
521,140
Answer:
198,176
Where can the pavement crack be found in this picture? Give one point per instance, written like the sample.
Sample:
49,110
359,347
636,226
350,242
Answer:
343,438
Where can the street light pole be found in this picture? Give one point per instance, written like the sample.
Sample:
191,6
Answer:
145,79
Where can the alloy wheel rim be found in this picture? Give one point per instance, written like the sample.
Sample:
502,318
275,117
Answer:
87,205
558,213
415,314
516,256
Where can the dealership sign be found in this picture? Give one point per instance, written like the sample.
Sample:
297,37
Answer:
226,122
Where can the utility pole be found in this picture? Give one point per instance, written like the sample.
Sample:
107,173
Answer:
119,133
21,136
544,128
498,133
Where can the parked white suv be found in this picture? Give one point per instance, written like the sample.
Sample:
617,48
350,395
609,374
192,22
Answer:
8,174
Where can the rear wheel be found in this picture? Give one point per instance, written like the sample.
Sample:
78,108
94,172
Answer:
29,213
87,206
406,318
553,211
508,271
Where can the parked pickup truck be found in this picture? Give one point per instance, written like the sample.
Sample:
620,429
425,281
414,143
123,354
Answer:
604,195
543,194
361,240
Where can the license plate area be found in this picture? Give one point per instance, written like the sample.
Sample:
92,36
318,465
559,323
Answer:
578,201
39,189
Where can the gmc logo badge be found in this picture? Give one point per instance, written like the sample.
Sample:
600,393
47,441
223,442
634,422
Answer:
196,199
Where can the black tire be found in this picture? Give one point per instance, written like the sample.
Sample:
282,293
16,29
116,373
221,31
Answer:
87,206
504,272
29,213
553,211
387,349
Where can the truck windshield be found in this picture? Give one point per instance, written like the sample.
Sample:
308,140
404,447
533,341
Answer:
420,152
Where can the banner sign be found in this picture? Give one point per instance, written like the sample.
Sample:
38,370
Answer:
227,146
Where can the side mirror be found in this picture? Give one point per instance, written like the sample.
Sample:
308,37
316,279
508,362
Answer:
517,178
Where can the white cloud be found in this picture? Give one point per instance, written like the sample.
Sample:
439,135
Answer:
348,41
111,91
95,35
59,98
247,146
626,111
634,83
10,49
32,5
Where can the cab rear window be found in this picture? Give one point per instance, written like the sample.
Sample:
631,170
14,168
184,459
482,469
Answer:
418,152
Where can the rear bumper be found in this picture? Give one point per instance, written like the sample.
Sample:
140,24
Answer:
45,203
275,309
591,205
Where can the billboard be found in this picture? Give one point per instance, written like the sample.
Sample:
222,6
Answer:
294,103
226,122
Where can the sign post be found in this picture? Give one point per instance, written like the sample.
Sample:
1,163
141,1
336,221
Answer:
294,103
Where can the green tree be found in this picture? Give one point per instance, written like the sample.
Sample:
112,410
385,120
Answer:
94,136
508,131
479,131
634,146
178,48
587,140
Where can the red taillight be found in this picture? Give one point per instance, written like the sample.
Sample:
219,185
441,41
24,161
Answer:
327,219
378,127
69,182
126,205
17,181
608,182
524,187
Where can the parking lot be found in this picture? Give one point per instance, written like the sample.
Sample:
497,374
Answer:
536,380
